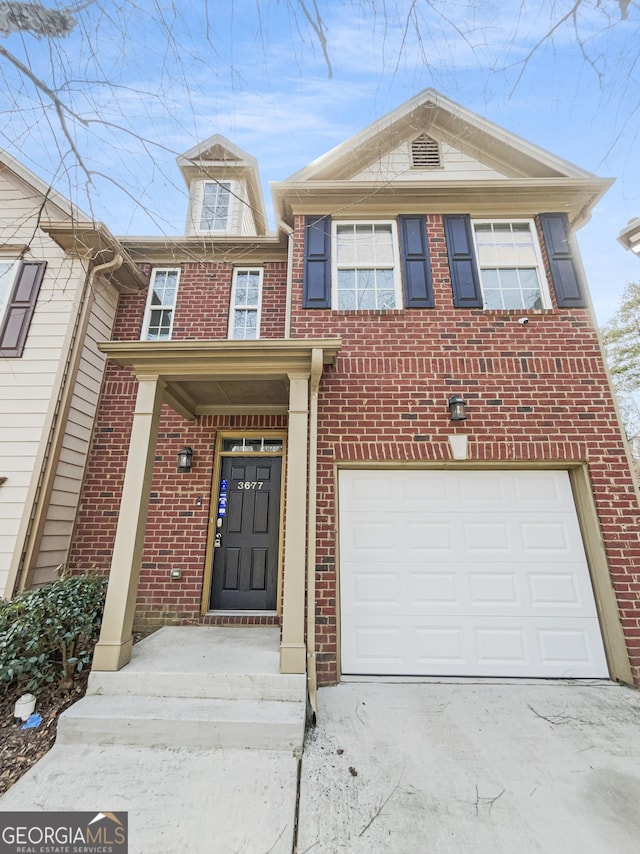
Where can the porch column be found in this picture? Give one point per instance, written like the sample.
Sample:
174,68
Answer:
293,651
113,650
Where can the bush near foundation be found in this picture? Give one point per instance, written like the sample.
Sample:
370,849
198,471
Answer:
48,634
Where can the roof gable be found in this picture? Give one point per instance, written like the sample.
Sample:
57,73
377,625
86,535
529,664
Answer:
217,158
482,169
431,113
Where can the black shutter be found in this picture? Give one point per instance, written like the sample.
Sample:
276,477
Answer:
565,271
465,280
317,262
20,308
416,269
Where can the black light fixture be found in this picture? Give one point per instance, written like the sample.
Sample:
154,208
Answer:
185,456
457,408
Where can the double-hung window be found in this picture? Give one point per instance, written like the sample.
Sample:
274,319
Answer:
366,262
246,298
216,201
161,304
510,265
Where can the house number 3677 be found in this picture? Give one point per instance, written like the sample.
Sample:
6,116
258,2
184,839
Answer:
250,484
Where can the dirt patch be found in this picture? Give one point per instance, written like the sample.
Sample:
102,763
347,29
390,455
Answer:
21,748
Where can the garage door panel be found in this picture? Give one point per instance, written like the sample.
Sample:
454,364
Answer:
485,588
484,571
446,647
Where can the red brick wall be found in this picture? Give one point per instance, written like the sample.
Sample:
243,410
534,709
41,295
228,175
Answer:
534,392
177,525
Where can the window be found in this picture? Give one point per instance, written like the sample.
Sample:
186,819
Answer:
510,265
246,293
8,272
245,445
216,198
161,304
366,266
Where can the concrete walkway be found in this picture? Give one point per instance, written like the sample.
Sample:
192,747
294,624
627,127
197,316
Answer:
451,768
198,739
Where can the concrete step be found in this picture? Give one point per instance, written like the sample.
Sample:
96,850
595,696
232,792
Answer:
184,722
289,687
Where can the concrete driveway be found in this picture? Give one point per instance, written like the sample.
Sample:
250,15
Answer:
478,767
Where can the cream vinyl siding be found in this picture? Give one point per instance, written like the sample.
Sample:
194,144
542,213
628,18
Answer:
397,166
58,525
28,392
30,385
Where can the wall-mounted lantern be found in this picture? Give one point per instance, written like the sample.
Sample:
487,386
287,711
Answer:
457,408
185,457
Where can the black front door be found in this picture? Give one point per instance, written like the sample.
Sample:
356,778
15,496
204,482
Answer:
245,559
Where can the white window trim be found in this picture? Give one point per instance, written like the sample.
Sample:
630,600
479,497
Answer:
198,202
232,304
149,307
545,296
397,273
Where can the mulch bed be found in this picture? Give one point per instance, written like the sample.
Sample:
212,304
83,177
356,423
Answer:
21,748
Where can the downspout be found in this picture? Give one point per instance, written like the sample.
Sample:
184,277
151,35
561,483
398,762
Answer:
56,435
287,309
314,383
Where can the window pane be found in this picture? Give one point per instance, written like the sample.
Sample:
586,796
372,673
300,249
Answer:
531,299
245,324
164,287
512,299
508,279
508,261
159,325
386,299
215,206
529,278
346,300
490,279
7,274
365,259
346,281
493,299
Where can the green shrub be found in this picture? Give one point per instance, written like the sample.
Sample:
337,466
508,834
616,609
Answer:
49,633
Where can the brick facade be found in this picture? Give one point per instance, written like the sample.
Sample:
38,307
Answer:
536,393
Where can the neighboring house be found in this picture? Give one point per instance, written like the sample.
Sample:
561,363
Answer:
289,409
630,236
60,275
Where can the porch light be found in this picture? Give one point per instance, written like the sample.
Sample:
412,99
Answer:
457,408
185,456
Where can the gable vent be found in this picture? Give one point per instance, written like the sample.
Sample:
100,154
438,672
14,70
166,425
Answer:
425,153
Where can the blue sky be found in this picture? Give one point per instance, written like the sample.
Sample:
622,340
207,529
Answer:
253,70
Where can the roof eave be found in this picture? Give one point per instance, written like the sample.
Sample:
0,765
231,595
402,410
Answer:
89,241
176,250
629,237
508,197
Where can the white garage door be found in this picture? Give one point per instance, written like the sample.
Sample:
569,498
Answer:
465,573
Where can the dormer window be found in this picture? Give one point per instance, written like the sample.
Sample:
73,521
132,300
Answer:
216,197
425,153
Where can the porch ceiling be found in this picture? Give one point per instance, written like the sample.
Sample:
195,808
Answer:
223,377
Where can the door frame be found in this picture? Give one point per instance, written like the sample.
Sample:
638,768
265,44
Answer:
219,454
